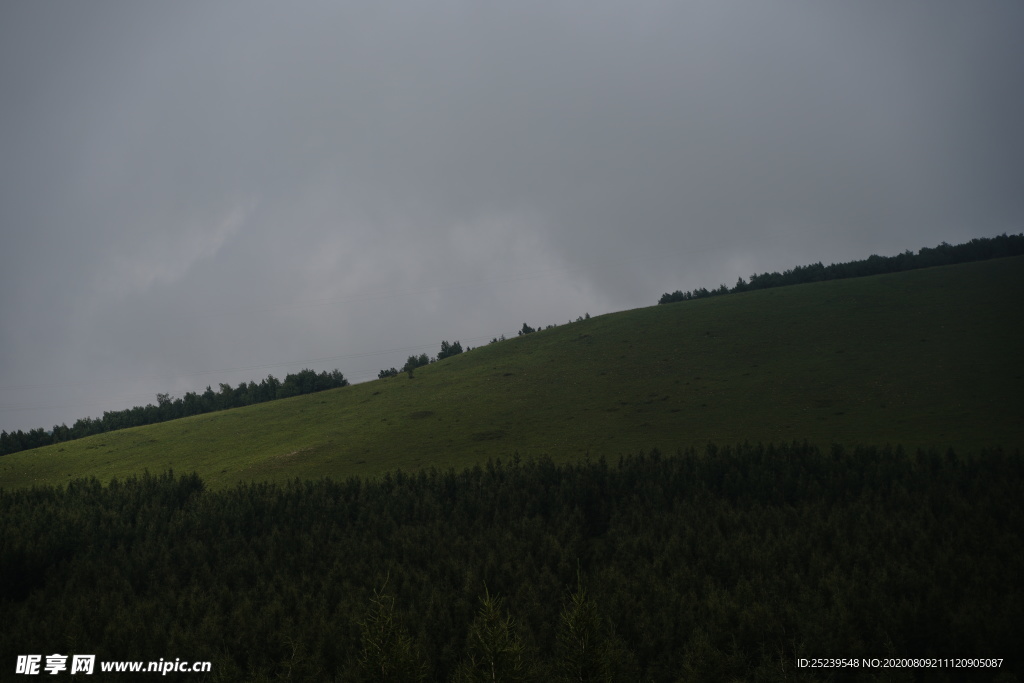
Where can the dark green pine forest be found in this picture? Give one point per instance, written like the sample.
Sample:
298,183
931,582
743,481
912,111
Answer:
720,564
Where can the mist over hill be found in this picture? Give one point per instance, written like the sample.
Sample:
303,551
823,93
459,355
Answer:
307,381
924,357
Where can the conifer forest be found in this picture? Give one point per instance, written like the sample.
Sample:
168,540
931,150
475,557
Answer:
721,564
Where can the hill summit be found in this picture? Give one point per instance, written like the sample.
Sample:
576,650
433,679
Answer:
923,358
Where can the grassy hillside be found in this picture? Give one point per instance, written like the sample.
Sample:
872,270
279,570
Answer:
924,358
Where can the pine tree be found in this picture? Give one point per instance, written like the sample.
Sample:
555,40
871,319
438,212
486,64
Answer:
388,651
587,649
495,652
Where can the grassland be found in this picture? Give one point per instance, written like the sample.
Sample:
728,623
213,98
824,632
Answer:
927,358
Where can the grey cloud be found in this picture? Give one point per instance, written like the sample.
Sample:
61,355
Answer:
196,187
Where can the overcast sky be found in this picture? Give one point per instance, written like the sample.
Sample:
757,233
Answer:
204,192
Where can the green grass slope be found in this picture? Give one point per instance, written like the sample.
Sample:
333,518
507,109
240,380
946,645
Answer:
923,358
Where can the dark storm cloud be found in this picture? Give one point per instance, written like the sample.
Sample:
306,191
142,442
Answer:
203,192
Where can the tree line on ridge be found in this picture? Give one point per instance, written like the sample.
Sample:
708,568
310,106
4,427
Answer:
167,408
979,249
